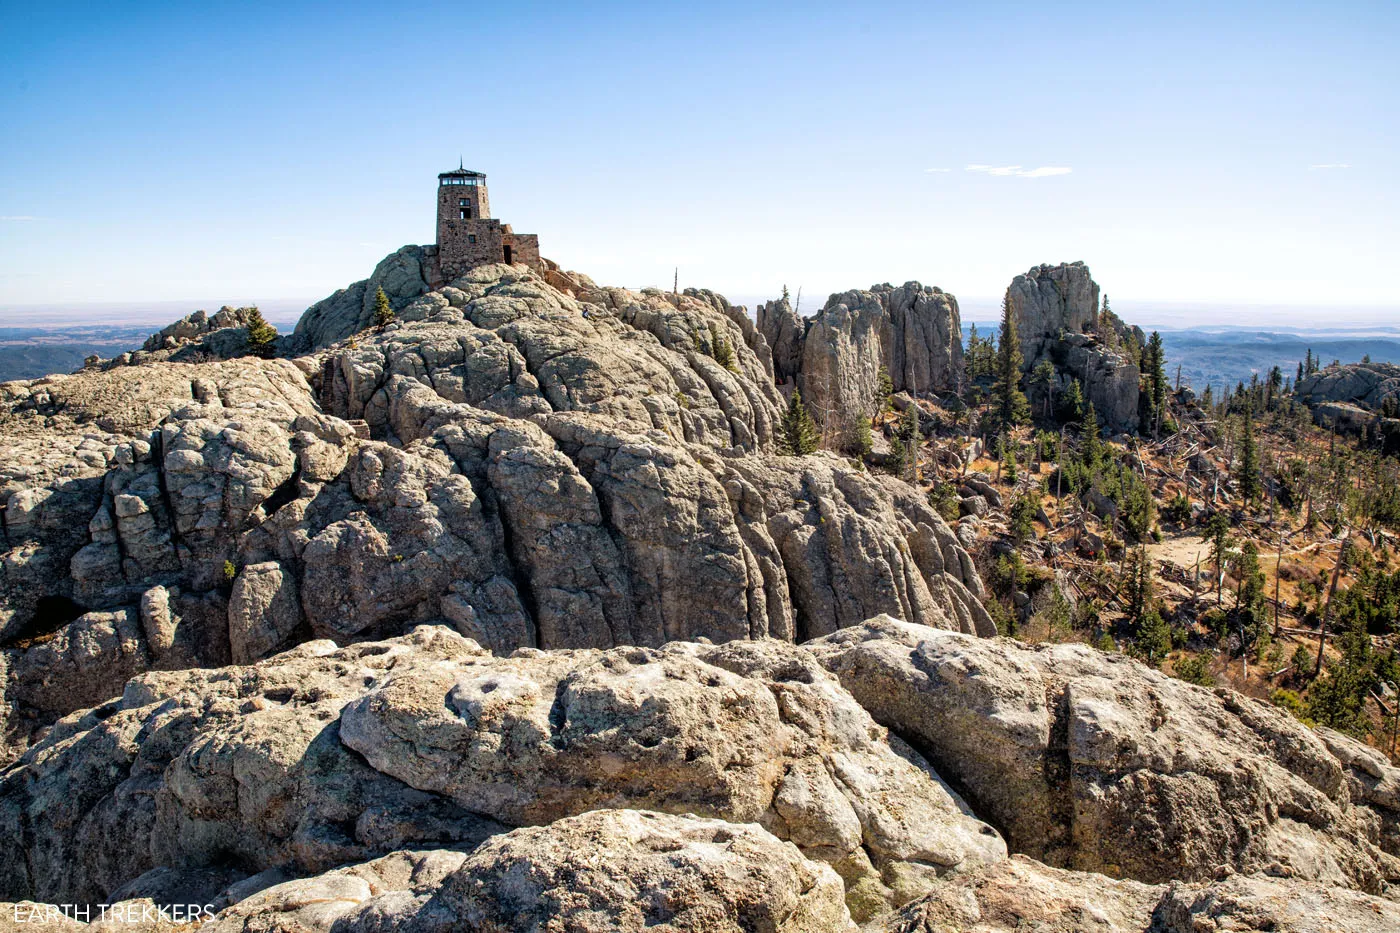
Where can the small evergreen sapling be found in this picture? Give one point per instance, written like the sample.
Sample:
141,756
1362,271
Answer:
383,311
262,336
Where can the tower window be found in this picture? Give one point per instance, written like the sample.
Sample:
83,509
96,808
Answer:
463,202
471,238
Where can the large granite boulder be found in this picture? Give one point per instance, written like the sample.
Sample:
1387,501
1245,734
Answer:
1021,894
913,331
1364,385
1098,763
323,756
601,872
404,276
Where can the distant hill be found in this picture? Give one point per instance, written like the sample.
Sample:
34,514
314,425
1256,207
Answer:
31,352
1219,357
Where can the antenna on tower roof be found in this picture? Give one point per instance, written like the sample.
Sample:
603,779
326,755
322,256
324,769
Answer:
460,166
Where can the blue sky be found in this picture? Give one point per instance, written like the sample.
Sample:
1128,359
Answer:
249,152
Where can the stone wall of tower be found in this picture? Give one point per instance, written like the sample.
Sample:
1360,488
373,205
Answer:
466,243
525,247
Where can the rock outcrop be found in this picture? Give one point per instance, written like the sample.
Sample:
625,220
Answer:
785,332
1057,313
487,619
404,276
1357,398
913,331
324,756
1022,894
535,465
1098,763
422,782
603,871
1365,385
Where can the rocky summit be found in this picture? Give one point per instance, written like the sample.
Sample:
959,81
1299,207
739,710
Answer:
518,609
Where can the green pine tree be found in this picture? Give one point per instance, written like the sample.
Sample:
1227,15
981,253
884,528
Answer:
1157,377
799,430
1043,376
1011,406
1092,447
722,351
884,390
1250,485
1071,406
262,336
383,311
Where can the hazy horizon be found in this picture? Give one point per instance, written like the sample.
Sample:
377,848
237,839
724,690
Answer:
978,309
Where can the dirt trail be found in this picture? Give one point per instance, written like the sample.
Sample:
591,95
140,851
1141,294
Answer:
1182,551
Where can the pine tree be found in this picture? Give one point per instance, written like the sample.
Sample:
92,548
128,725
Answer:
1250,485
799,430
1104,326
722,352
383,311
1089,438
898,459
1043,375
1157,377
910,435
1273,388
1072,402
884,389
1300,373
1011,405
262,336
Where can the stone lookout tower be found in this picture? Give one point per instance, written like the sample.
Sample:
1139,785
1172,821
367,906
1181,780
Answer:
467,236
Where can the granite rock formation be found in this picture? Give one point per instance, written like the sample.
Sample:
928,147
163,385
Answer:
422,782
1354,399
537,465
785,332
324,756
1057,310
913,331
1100,764
1365,385
488,619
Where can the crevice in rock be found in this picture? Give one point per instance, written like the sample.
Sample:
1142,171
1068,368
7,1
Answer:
1059,773
520,578
285,492
51,613
158,463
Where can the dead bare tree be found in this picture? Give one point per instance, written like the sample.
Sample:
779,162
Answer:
1327,608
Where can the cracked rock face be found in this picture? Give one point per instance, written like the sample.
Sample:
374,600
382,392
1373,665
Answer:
324,756
538,465
1098,763
607,870
1055,306
1022,894
913,331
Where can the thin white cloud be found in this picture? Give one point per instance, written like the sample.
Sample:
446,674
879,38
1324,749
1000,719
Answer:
1324,166
933,171
1018,171
15,217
